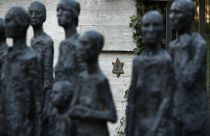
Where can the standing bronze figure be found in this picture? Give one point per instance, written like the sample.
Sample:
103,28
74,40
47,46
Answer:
188,53
3,53
22,93
42,44
150,97
92,105
69,61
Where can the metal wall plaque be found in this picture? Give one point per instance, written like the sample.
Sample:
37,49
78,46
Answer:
117,67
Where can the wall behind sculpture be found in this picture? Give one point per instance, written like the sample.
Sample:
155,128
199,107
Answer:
110,17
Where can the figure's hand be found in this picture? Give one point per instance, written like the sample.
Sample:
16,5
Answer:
80,112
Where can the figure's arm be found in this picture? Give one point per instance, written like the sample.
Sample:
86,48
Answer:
109,110
130,109
167,98
48,66
108,113
192,69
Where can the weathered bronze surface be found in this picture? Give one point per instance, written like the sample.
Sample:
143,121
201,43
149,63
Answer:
92,105
150,98
42,44
188,53
22,92
69,61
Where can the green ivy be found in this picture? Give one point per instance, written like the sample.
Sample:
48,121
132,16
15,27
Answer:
135,24
135,21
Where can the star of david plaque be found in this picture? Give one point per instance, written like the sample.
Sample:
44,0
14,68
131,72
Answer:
117,67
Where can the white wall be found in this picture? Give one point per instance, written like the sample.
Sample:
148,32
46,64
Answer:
110,17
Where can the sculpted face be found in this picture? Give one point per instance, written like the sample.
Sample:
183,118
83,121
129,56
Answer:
64,14
57,96
181,14
86,52
61,93
17,22
37,12
152,28
91,45
11,25
177,16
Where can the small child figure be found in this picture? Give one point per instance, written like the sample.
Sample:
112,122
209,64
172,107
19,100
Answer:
62,93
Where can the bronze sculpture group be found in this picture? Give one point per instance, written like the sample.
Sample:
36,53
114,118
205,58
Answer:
167,96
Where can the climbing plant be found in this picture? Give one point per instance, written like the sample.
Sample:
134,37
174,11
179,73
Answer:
135,21
135,24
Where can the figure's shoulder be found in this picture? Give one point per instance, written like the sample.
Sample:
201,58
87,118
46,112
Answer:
165,55
47,40
63,44
29,55
68,47
198,40
172,44
138,60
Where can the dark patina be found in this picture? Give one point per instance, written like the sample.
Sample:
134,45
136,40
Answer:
92,105
188,53
22,93
150,96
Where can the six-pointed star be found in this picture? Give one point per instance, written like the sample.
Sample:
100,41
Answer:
117,67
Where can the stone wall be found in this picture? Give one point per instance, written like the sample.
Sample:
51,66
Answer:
110,17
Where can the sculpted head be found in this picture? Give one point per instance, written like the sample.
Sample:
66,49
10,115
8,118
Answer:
62,93
68,13
92,43
17,21
37,11
182,14
2,30
152,28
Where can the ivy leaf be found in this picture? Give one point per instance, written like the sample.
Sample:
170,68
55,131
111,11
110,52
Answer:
136,51
133,18
126,94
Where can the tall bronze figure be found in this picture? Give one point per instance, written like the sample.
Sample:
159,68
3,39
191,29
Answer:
92,105
150,97
69,63
22,93
42,44
188,52
3,53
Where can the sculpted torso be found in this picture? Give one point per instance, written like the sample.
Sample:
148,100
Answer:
151,88
66,65
96,103
18,92
190,96
43,46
